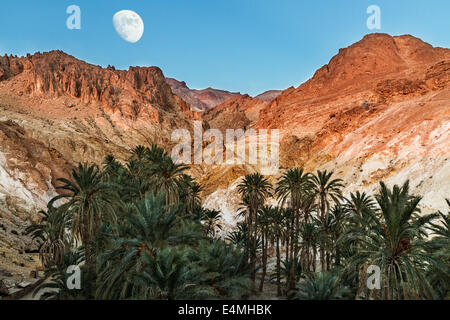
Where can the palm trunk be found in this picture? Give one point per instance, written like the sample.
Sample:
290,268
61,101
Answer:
292,237
253,233
322,249
287,246
87,245
314,262
87,252
250,238
338,256
362,285
322,259
328,260
293,276
264,260
278,267
308,259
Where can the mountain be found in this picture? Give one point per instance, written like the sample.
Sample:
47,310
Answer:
207,99
136,94
269,96
237,112
56,111
376,67
200,100
379,110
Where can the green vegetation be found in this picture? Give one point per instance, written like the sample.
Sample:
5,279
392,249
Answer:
138,231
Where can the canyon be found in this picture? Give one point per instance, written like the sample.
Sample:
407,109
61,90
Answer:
378,111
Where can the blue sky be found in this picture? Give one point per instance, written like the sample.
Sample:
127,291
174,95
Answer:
239,45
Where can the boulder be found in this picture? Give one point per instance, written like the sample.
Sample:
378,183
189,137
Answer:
23,284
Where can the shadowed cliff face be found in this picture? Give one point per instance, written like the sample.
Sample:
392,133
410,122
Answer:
208,99
200,100
379,110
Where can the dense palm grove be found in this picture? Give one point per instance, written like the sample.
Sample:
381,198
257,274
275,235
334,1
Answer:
138,231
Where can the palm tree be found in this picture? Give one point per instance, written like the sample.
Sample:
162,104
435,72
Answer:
254,189
396,244
166,177
308,229
288,214
361,208
222,268
139,153
55,288
362,215
321,286
211,219
265,215
276,230
338,220
240,238
440,249
135,181
91,202
284,270
51,233
150,226
309,234
111,166
442,229
327,190
155,154
293,188
190,193
165,276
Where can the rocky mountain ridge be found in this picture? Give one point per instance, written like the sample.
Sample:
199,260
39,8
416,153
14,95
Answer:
379,110
200,100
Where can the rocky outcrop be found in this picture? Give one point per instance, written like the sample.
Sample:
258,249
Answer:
230,114
135,93
238,112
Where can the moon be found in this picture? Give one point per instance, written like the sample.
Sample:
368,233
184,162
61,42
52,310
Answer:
129,25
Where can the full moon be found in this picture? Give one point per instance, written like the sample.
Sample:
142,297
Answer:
129,25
